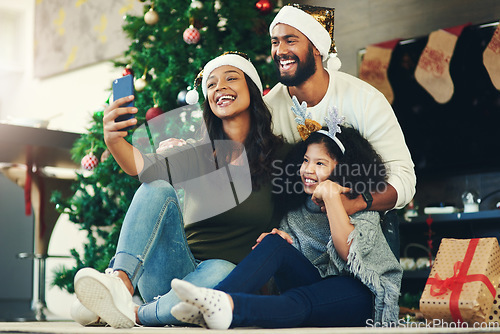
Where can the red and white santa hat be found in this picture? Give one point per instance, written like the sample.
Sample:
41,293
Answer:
236,59
316,23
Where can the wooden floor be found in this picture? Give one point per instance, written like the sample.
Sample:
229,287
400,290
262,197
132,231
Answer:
70,327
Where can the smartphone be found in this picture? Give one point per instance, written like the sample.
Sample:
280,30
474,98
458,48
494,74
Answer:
122,87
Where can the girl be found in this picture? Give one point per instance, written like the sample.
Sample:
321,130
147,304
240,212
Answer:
331,269
157,241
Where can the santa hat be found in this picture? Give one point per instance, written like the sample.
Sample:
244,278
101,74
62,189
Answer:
236,59
316,23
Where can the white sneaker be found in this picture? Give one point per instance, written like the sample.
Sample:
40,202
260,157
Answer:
107,296
84,316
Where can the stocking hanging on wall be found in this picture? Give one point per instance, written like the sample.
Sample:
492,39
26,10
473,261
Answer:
491,58
433,68
374,67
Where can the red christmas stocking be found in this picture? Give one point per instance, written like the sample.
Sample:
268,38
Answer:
491,58
433,68
374,67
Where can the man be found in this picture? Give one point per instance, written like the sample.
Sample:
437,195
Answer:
300,47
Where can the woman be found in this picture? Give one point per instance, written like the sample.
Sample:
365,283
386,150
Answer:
157,241
332,269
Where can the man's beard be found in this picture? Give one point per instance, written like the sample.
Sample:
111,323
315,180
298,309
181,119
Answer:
304,70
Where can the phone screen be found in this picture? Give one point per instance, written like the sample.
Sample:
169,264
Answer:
122,87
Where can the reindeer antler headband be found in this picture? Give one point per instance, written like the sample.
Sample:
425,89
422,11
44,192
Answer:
306,126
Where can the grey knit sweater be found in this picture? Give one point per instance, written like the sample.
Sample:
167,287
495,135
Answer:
370,259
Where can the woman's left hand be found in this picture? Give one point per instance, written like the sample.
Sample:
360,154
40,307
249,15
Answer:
325,190
281,233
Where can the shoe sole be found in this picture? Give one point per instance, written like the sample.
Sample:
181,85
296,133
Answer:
96,297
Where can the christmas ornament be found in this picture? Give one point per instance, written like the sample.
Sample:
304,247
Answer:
433,68
191,35
374,67
140,84
151,17
192,96
266,90
260,26
89,161
491,58
196,4
153,112
105,155
264,6
181,97
128,71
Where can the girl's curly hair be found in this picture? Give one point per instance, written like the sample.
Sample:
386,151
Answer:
360,168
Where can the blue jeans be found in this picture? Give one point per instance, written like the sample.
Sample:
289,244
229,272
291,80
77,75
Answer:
306,299
153,250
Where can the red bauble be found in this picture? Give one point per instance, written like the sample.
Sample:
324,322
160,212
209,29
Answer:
191,35
128,71
89,161
153,112
264,6
266,90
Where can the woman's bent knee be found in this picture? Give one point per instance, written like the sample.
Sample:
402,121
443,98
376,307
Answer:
158,188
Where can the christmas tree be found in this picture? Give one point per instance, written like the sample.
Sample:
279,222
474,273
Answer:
169,46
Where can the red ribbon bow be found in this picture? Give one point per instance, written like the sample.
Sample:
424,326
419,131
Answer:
459,278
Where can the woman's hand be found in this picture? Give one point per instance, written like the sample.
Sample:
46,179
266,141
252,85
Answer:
326,190
282,234
169,143
128,157
113,130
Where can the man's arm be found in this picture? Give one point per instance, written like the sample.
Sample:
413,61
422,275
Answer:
381,127
382,201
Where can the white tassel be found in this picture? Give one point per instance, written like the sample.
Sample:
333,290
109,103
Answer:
333,62
192,96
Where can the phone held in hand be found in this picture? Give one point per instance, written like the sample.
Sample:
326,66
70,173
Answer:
122,87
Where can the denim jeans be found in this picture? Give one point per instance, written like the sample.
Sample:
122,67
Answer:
306,299
152,249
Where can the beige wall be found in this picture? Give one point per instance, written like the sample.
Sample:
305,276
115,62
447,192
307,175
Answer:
71,97
359,23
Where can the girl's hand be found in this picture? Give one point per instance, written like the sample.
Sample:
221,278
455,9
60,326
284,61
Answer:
325,190
282,234
113,130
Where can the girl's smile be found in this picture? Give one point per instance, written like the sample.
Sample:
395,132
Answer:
317,167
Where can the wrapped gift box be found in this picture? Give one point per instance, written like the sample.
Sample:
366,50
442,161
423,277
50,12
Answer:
495,309
462,284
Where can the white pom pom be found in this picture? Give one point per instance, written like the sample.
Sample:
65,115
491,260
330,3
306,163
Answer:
333,62
192,96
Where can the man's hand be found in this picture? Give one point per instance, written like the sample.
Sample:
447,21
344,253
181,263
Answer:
382,201
282,234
